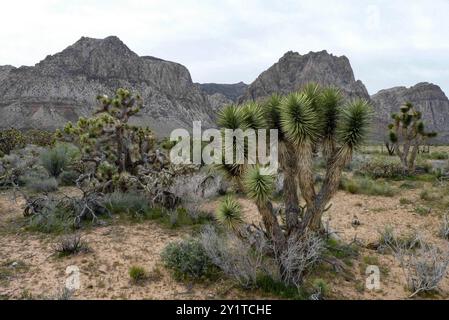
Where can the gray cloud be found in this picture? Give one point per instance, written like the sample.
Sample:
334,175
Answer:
389,43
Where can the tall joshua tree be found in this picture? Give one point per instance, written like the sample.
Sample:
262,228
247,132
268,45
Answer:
407,134
313,119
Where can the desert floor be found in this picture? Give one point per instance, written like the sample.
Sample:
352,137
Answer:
29,267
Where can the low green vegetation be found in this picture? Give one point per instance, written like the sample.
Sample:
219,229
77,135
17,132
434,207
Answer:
71,245
188,260
367,186
137,274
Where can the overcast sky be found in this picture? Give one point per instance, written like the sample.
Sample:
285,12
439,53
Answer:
389,43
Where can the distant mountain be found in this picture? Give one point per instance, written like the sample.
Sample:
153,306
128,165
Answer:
63,87
230,91
293,70
426,97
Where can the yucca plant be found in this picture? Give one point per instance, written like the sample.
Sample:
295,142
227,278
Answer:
229,213
407,133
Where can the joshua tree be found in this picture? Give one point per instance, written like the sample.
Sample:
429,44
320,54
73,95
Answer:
107,142
407,134
117,155
313,119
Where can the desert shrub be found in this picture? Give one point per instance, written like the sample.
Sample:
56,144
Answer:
321,288
341,250
424,268
299,257
188,259
424,265
135,205
68,177
388,240
11,139
423,166
363,185
71,245
428,196
405,201
40,138
20,164
437,155
422,211
58,159
408,185
53,218
58,214
381,167
278,288
137,274
44,185
233,256
444,228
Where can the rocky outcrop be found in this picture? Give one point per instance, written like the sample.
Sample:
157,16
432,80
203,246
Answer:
294,70
217,101
230,91
4,71
63,87
427,98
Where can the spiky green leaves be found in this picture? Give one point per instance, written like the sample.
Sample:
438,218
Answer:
230,117
272,109
299,120
229,213
354,123
259,184
313,92
330,103
253,116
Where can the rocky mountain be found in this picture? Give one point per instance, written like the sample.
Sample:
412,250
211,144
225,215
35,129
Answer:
294,70
4,71
63,87
230,91
426,97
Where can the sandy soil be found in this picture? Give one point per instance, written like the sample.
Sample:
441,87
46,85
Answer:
117,246
104,270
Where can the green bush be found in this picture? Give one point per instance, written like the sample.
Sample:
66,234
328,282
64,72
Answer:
363,185
11,139
188,260
137,274
134,205
68,178
278,288
58,159
437,155
52,219
42,185
381,167
71,245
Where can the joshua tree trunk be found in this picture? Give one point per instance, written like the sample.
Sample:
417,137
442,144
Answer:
314,213
305,173
390,148
288,161
272,226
